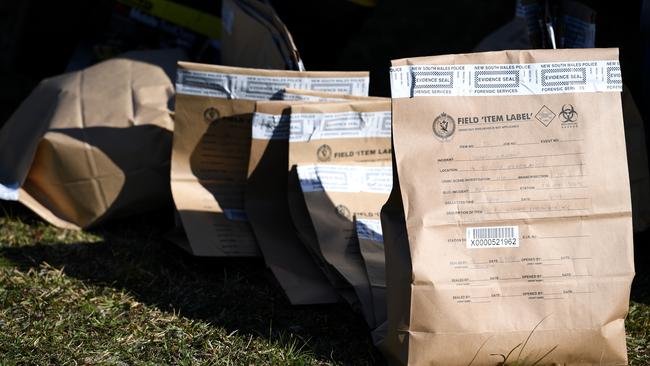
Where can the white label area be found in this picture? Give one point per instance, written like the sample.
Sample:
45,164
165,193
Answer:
270,126
294,96
492,237
345,178
276,127
320,126
252,87
505,79
9,192
369,230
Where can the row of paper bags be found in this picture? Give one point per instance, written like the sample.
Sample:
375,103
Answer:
298,157
296,166
96,144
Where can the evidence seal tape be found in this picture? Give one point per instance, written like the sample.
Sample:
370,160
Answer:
345,178
369,229
256,87
319,126
505,79
9,192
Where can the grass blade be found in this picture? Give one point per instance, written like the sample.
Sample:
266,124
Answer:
530,335
478,351
543,357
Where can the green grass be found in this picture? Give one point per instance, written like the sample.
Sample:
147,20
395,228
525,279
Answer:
122,295
49,317
638,331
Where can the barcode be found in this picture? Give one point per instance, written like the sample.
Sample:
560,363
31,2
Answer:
492,237
493,232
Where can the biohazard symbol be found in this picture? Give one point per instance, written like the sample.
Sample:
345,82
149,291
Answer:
568,114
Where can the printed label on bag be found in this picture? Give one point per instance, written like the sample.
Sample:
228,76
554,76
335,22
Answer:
286,95
492,237
342,178
319,126
252,87
9,192
505,79
369,230
270,126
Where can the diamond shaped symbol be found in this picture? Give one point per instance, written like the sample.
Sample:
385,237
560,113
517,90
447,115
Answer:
545,116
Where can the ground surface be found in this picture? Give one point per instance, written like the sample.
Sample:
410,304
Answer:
121,295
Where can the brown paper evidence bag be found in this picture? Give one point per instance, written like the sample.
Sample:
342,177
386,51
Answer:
510,210
93,144
303,273
266,197
334,146
338,197
211,146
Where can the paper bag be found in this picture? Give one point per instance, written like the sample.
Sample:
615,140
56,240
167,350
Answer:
510,214
253,35
345,132
266,200
94,144
212,141
333,195
577,30
371,245
316,96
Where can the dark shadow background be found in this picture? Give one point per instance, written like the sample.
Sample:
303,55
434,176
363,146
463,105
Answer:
38,38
